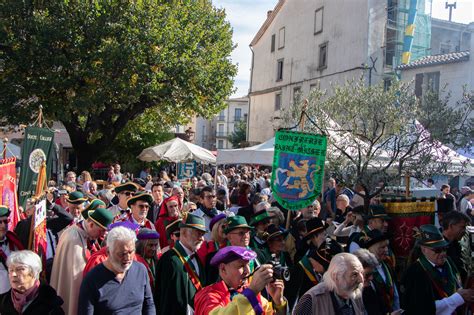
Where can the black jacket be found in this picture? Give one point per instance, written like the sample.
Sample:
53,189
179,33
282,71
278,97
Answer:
46,303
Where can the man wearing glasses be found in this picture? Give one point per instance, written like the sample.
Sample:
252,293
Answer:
139,205
207,210
9,242
432,284
123,193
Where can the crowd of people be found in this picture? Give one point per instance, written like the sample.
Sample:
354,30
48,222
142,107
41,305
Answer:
222,245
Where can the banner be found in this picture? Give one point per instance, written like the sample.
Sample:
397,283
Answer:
404,217
8,185
298,168
38,222
186,170
38,146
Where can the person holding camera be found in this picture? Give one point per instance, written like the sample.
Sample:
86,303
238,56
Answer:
233,294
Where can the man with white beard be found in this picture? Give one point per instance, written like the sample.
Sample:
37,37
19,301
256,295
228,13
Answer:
119,284
340,293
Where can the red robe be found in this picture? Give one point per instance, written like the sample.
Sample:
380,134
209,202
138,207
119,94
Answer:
163,220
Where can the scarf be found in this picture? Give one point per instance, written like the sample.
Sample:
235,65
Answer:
211,213
20,299
385,288
446,282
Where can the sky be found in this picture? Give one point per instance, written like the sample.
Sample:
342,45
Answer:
246,17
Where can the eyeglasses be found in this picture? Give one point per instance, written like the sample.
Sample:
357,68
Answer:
6,221
177,234
241,233
210,196
143,206
439,250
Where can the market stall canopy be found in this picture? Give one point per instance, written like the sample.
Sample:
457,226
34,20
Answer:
177,150
13,151
261,154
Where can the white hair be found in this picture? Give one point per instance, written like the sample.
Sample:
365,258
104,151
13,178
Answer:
338,267
120,234
26,258
366,258
345,197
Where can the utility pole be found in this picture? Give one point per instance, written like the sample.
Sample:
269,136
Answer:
451,7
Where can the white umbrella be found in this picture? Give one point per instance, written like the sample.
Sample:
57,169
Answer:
177,150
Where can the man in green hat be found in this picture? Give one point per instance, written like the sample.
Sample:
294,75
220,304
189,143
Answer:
260,221
75,246
432,285
75,205
123,193
9,242
181,274
140,205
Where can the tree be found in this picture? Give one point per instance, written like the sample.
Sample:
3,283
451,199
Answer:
376,136
238,136
97,65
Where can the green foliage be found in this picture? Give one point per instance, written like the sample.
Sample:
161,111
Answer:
97,65
375,135
239,135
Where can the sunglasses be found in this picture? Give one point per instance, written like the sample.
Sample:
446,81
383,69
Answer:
143,206
439,250
127,193
6,221
177,234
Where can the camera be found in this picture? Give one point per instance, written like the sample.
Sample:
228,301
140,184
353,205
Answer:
279,272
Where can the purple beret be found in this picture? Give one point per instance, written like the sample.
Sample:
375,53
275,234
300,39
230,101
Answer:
126,224
147,234
230,253
216,219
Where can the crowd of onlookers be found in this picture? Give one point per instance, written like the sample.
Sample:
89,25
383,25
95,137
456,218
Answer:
179,242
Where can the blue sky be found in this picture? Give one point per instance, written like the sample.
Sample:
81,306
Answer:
246,17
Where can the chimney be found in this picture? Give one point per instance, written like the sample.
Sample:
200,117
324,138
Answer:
269,12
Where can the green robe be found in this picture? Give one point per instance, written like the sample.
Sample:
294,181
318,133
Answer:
175,290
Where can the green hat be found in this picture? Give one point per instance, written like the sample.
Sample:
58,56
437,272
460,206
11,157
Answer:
260,216
193,221
76,197
377,211
236,222
140,196
428,235
93,205
128,186
4,211
101,216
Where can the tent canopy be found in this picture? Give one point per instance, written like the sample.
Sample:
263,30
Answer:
177,150
261,154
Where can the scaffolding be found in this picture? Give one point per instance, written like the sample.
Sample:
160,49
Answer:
397,21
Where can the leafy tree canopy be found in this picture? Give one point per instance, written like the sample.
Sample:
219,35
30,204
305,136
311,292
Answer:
98,65
238,136
377,135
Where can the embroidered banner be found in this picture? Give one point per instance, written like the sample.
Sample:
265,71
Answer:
298,168
38,147
8,185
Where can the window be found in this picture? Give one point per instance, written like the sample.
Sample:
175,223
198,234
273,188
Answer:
425,82
318,21
238,114
272,48
277,101
221,116
296,95
387,83
431,81
281,38
279,70
313,87
220,144
323,56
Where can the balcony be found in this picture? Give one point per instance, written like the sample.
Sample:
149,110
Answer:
221,134
221,118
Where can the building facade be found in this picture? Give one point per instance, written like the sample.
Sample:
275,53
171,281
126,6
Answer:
213,133
306,44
